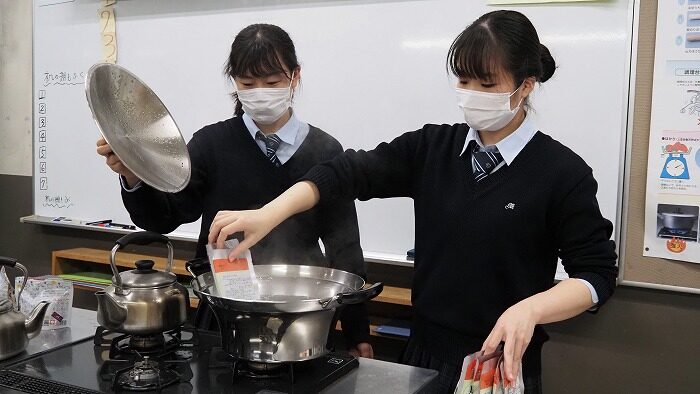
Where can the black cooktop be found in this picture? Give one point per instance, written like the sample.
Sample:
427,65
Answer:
192,362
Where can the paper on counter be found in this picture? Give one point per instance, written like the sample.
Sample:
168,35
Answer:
58,292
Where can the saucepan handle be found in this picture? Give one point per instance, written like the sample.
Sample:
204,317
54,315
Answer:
198,266
355,297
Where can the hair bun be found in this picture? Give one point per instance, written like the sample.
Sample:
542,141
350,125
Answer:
548,64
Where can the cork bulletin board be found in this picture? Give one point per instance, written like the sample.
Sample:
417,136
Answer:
635,269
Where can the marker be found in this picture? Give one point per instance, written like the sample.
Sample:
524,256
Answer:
101,223
61,219
123,226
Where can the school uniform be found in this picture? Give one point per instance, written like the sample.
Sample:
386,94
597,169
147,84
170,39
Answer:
236,167
483,243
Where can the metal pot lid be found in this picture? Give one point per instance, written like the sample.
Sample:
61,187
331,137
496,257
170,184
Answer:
138,127
5,305
144,276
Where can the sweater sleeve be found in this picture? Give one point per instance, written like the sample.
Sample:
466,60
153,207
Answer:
583,236
386,171
162,212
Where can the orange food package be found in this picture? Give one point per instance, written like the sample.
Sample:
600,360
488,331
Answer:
233,278
464,385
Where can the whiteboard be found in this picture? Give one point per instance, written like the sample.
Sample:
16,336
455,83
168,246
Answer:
371,70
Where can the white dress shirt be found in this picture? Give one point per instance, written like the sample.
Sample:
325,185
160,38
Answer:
292,134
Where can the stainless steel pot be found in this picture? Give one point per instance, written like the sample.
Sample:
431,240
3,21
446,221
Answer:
142,301
293,317
678,221
15,330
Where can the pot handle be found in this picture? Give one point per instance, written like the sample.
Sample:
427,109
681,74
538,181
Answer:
138,238
12,263
355,297
198,266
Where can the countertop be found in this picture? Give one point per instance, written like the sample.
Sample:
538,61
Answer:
379,377
82,325
372,376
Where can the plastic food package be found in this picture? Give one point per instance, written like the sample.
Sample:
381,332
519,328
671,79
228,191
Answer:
501,384
484,374
57,291
498,378
233,278
488,369
464,385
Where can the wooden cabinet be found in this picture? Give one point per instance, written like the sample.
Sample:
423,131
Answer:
95,262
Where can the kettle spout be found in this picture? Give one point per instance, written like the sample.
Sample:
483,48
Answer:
33,324
110,313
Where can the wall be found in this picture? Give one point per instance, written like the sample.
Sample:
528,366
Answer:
642,340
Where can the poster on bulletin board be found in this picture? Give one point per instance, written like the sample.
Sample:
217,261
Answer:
673,173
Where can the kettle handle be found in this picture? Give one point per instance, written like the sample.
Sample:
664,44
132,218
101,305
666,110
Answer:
142,238
10,262
138,238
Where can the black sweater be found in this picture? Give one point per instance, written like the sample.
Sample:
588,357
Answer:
230,172
482,247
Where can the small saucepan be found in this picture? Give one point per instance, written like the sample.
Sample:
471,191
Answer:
678,221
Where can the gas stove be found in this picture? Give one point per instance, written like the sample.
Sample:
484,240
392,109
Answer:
690,235
181,361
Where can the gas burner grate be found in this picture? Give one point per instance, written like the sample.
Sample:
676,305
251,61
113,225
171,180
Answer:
145,374
29,384
123,345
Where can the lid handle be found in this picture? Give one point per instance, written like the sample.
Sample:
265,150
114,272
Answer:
138,238
145,266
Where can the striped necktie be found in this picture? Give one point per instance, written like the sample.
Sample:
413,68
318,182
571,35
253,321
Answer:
483,162
271,144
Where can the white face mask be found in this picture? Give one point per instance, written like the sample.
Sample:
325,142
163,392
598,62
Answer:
485,111
265,105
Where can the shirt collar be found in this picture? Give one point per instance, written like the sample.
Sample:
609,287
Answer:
510,146
287,133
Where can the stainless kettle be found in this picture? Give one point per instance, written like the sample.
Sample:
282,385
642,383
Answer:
142,301
15,330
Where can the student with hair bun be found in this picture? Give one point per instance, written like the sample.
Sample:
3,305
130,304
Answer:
497,203
246,161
